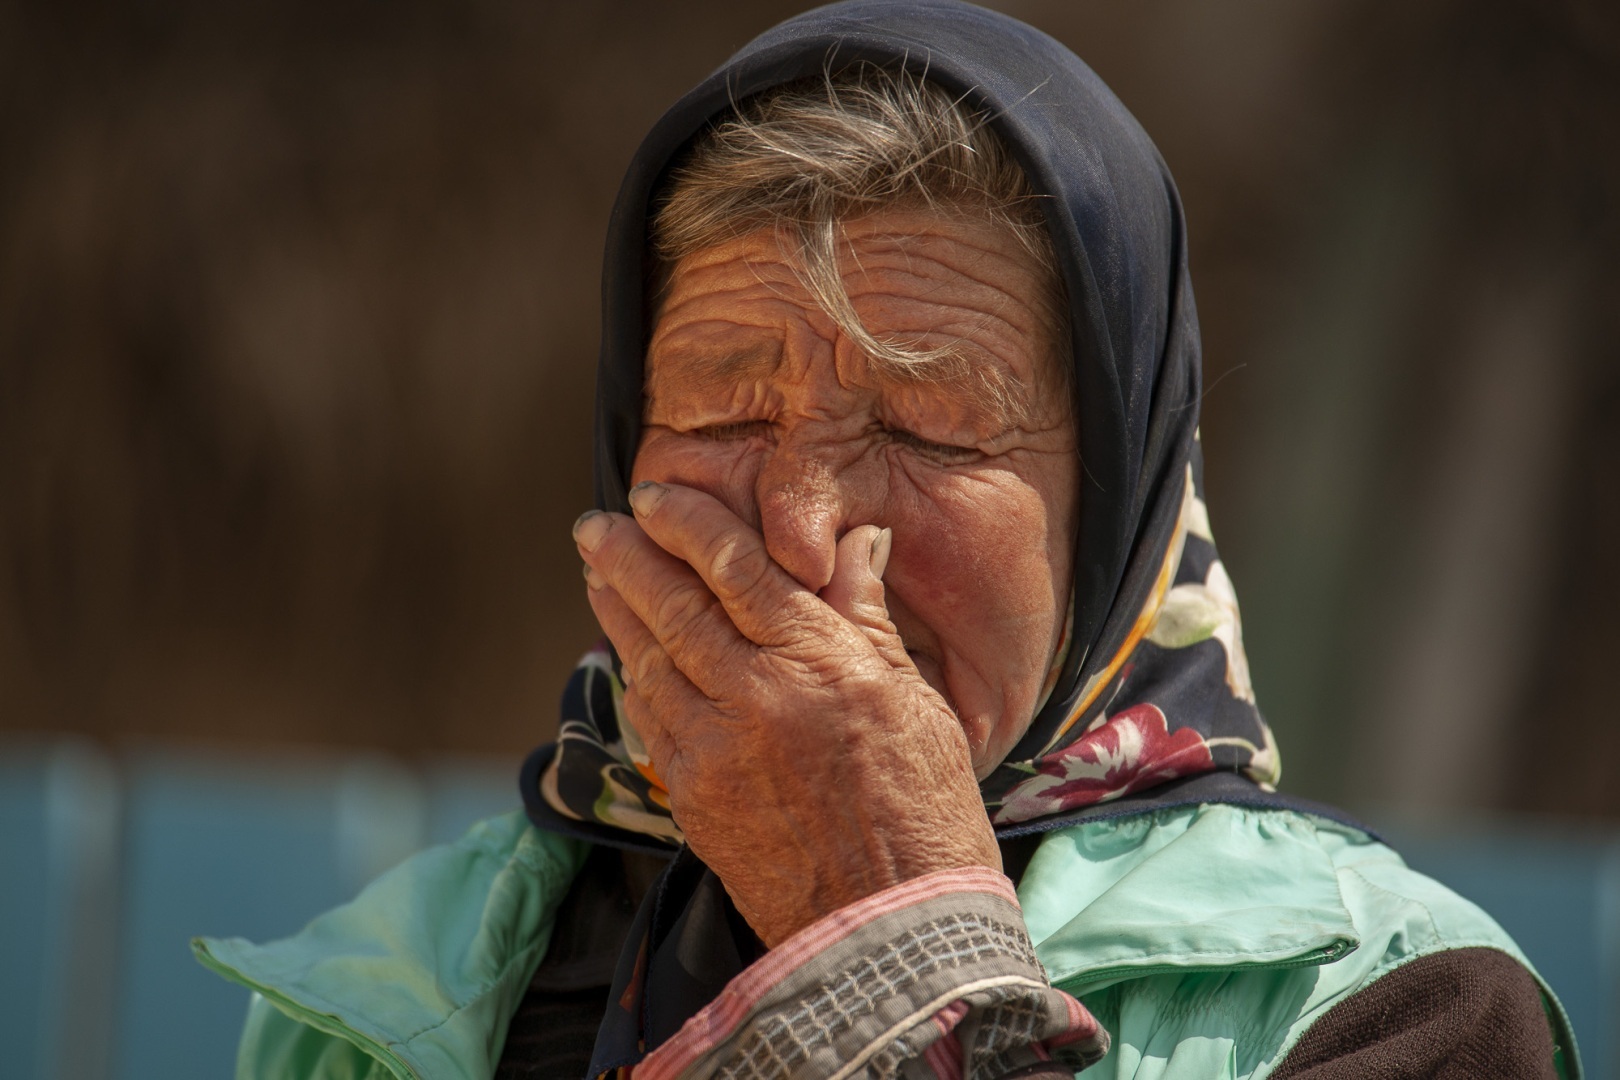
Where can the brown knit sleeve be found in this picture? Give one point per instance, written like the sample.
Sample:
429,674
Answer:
1450,1015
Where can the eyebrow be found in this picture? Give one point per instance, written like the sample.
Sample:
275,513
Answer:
985,387
704,367
704,370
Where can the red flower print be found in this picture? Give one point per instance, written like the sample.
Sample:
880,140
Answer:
1131,750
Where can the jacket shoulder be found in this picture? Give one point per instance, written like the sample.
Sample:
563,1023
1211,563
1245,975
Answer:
1410,922
1208,939
418,974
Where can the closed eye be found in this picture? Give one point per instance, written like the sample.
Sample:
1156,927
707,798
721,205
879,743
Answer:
744,429
943,453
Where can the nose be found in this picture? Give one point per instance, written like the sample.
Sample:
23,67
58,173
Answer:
804,509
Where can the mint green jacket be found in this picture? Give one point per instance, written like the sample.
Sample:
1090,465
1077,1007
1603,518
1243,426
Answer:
1205,939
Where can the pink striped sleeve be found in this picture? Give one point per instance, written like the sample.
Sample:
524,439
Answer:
891,977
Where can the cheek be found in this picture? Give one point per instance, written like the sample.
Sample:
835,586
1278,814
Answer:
983,546
984,578
725,470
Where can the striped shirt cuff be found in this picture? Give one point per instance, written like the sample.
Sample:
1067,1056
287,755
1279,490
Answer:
934,977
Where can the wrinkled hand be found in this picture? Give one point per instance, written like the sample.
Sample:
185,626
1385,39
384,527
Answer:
807,761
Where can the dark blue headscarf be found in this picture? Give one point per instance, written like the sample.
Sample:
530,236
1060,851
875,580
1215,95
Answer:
1153,702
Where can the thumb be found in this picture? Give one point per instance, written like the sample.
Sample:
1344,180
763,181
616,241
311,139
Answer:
856,589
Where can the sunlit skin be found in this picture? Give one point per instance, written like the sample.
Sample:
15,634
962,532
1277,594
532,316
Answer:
820,727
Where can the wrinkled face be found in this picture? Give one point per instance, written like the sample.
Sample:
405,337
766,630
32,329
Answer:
754,396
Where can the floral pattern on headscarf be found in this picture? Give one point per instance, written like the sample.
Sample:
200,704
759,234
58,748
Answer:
1176,699
1122,753
601,773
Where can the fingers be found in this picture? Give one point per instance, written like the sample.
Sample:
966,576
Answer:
670,604
648,671
856,590
764,601
701,581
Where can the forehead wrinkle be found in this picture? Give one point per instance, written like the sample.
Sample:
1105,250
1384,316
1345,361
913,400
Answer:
710,273
946,294
951,290
913,255
987,330
971,369
922,251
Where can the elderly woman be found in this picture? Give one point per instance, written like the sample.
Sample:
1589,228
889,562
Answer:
922,742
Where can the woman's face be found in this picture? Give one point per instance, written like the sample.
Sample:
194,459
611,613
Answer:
754,396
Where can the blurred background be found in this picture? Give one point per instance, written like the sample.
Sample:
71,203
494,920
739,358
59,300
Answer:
297,329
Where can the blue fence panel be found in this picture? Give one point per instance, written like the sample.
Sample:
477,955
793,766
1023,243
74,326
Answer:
26,931
58,851
230,848
463,791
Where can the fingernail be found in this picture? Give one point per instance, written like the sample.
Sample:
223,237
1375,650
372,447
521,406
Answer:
590,528
645,497
880,552
624,678
593,579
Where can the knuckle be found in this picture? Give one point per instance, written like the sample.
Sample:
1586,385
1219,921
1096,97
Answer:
657,700
645,664
643,717
678,615
736,565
